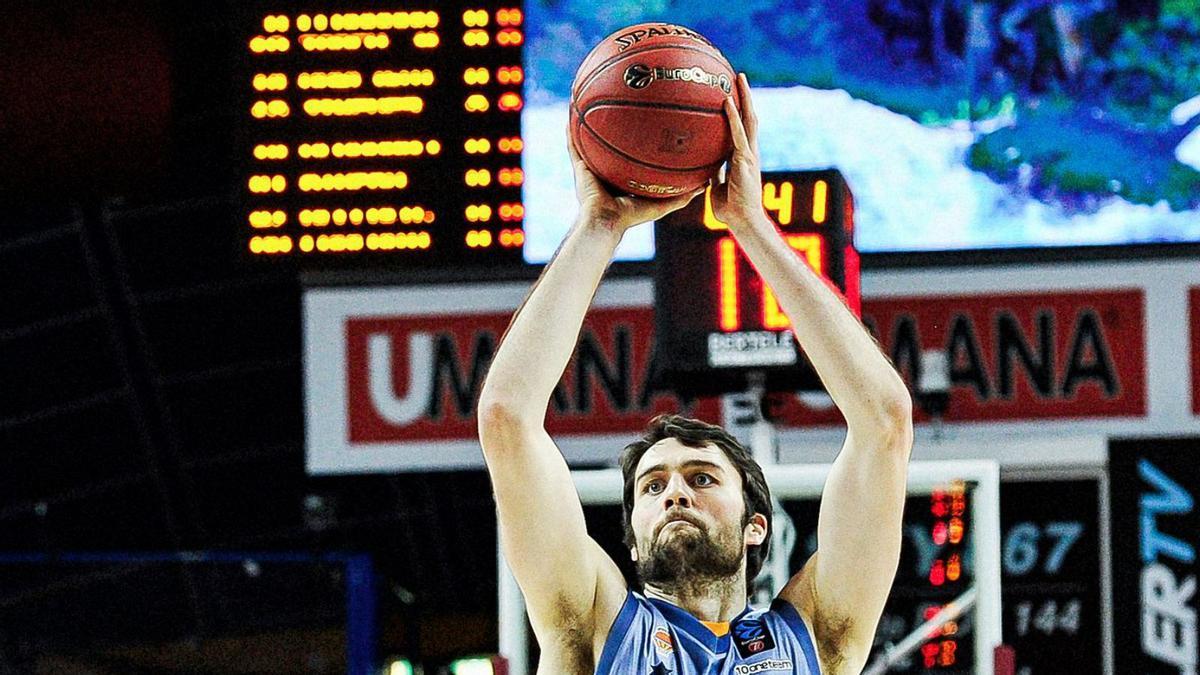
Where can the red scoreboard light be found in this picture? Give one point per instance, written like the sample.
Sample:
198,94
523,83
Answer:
716,321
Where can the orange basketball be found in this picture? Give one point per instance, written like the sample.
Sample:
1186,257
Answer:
646,109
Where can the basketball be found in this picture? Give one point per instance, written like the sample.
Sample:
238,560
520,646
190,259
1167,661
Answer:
646,109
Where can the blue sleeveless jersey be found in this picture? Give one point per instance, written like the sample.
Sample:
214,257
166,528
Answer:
654,637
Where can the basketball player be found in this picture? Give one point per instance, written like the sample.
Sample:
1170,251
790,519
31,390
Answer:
697,510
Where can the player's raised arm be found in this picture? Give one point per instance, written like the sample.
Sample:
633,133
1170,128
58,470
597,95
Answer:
571,587
844,587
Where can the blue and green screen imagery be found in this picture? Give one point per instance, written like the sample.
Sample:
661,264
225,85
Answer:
959,124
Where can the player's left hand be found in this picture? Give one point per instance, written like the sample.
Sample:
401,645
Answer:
737,200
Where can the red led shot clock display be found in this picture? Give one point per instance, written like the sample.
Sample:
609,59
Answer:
716,320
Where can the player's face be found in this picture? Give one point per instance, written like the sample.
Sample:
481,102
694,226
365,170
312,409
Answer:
687,514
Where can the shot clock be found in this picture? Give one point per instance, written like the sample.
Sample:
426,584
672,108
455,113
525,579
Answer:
715,320
388,135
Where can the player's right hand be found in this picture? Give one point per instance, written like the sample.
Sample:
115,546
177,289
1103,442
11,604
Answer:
598,206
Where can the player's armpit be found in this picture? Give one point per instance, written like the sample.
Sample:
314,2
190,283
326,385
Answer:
845,585
567,580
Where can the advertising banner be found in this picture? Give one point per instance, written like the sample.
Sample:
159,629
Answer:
1155,534
392,375
1015,357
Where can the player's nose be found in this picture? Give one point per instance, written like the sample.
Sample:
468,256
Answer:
677,493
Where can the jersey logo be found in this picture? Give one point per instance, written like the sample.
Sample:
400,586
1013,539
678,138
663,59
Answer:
751,637
772,665
662,640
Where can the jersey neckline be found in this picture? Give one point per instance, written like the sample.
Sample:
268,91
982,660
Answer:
685,621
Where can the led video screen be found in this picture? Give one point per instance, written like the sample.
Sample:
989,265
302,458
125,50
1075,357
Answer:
958,125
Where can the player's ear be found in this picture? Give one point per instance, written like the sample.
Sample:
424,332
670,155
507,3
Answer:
756,530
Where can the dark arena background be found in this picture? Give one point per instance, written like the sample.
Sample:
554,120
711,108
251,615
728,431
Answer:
255,258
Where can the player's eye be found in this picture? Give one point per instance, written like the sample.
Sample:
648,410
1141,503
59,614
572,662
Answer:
653,487
704,480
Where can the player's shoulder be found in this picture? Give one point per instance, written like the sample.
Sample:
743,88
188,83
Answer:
631,640
636,614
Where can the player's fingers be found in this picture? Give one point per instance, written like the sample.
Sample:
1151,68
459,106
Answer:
583,175
749,117
741,145
573,151
584,180
571,147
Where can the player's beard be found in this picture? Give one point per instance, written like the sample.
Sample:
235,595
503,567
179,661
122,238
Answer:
692,557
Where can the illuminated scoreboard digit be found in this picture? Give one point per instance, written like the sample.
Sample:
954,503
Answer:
935,568
389,137
948,577
716,321
1054,596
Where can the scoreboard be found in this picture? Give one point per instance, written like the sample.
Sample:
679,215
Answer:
389,134
1052,560
936,567
1053,595
718,324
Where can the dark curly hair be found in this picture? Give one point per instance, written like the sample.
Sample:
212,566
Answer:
695,434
